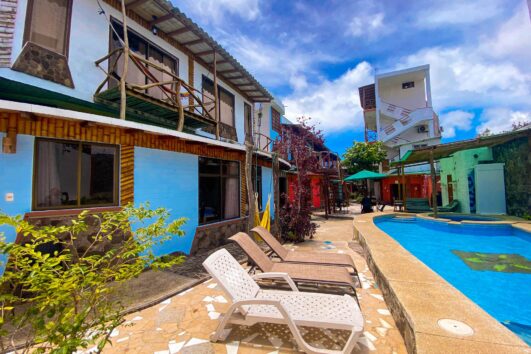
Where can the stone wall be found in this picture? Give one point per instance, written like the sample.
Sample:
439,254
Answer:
8,13
84,240
208,237
393,303
43,63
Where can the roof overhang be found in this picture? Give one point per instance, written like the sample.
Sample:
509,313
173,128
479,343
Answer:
404,72
445,150
176,26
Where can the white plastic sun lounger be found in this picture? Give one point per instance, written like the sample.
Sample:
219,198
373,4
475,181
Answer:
251,305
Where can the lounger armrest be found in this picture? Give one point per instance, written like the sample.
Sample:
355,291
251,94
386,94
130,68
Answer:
277,275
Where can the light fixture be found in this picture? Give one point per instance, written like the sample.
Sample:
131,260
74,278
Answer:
154,30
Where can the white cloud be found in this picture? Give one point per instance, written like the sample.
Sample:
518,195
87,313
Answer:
463,76
457,12
334,105
367,25
275,64
512,40
499,120
455,120
215,9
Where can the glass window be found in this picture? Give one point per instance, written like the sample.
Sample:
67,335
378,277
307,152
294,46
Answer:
248,122
275,117
148,51
256,177
226,101
47,24
219,190
74,174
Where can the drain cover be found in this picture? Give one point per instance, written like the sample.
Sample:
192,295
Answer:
455,327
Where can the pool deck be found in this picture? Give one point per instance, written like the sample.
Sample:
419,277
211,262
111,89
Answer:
418,298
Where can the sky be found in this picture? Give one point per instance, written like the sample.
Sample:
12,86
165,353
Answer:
314,55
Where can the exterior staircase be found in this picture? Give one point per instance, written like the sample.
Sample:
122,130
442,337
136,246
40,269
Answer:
404,120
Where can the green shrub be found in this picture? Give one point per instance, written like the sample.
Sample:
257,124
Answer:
65,299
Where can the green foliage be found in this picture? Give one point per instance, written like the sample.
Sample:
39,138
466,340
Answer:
363,156
514,155
66,299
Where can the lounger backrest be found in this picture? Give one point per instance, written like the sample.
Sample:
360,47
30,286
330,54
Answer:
253,251
231,276
271,241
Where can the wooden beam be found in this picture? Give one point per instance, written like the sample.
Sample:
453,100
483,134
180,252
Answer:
205,52
195,41
234,77
123,95
178,32
161,19
136,3
216,97
249,89
244,84
433,185
228,71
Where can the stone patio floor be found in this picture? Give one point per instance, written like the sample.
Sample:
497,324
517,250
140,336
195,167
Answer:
184,322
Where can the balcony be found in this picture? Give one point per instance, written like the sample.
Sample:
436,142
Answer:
153,92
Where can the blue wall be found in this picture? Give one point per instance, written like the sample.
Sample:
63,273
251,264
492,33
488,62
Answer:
267,188
16,173
170,180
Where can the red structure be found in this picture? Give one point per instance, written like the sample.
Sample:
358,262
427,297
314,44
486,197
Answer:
417,186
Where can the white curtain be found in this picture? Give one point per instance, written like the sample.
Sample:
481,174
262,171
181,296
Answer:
48,182
48,24
232,195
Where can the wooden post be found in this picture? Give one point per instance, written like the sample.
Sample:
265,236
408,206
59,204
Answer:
216,96
433,185
404,188
250,192
276,194
399,172
180,124
123,96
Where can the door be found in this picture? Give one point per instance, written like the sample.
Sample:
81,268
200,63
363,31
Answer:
394,191
450,188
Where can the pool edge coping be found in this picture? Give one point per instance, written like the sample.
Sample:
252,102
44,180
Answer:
377,246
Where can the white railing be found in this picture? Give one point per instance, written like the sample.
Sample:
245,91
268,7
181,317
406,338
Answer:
394,111
391,131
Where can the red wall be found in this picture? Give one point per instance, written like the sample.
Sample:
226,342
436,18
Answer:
418,186
315,186
316,191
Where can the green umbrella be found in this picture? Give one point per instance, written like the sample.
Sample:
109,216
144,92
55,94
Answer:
364,175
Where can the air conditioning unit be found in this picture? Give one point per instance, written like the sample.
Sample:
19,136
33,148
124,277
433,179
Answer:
422,129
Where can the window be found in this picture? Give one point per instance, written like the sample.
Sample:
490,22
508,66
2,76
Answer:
219,190
226,101
74,174
409,84
150,52
275,118
247,111
48,24
256,177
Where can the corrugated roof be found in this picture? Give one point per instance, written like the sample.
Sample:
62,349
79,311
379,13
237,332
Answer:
444,150
176,25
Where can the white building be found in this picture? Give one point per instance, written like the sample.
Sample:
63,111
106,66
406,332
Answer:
69,145
398,111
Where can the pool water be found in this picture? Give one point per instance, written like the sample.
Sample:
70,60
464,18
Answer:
463,217
504,295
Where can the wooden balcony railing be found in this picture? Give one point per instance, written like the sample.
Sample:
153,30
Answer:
175,97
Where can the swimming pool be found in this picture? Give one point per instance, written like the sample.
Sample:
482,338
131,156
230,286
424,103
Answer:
465,217
488,263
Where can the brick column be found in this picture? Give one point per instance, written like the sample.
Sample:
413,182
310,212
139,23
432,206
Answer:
8,13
